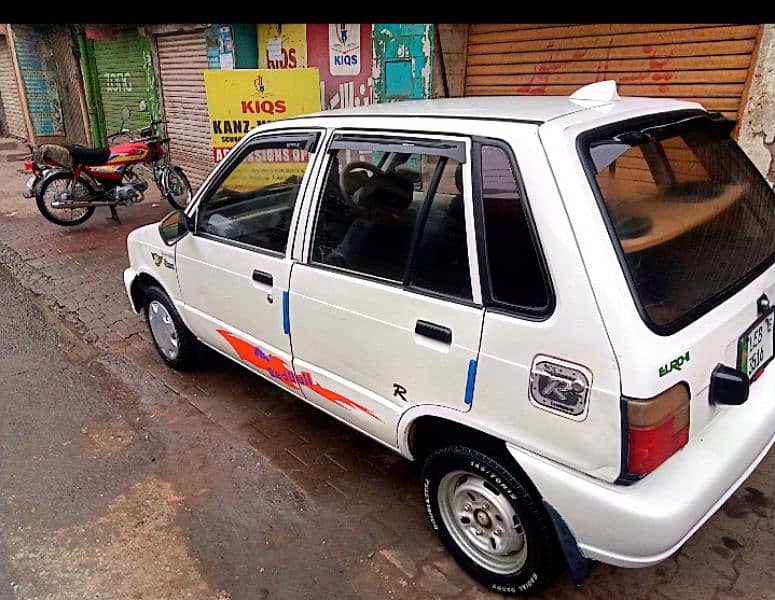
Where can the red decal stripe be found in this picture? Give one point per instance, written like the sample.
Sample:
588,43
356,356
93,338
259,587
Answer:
277,369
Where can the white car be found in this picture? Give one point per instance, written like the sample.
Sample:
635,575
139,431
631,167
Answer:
560,306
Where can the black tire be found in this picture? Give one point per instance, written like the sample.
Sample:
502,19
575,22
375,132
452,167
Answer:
541,553
178,172
40,200
187,344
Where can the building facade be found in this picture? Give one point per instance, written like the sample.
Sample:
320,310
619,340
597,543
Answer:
70,83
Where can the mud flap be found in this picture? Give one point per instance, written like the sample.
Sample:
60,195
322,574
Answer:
578,565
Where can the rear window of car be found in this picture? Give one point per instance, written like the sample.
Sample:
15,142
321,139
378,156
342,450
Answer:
692,217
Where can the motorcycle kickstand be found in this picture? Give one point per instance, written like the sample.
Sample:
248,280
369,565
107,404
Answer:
114,215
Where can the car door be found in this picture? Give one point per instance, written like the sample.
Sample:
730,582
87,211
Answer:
234,270
386,310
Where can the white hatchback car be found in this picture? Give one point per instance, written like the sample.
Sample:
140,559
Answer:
560,306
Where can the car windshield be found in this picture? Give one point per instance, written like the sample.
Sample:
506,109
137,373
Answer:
693,217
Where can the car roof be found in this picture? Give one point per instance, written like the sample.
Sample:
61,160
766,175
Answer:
534,109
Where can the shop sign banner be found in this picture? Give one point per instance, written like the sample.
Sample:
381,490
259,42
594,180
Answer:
344,41
282,46
241,99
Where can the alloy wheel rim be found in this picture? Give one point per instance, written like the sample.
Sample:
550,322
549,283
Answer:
163,329
482,521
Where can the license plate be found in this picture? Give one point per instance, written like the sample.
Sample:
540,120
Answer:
31,182
755,348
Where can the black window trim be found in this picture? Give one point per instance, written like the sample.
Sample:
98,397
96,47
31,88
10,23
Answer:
233,159
583,144
404,285
455,150
506,308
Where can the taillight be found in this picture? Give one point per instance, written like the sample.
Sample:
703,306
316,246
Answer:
28,165
657,428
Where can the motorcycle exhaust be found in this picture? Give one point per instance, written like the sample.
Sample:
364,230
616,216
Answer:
87,204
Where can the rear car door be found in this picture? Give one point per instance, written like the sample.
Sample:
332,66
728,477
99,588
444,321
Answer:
234,270
386,310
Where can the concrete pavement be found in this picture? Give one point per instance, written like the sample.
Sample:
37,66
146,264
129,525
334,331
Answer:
247,492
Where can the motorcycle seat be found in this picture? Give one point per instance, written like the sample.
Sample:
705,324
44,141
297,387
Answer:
88,157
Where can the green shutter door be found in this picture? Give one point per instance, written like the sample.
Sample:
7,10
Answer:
126,79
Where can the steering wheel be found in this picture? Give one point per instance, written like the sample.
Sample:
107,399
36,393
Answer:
356,165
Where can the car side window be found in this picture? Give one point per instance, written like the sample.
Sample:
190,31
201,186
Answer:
379,203
441,257
253,204
513,263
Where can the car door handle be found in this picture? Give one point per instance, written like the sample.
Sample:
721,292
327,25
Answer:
433,331
263,277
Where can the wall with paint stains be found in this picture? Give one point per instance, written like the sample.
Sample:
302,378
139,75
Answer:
757,126
403,61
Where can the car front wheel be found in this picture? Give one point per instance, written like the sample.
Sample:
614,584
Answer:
490,522
172,339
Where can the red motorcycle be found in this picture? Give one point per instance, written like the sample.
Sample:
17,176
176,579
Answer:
70,181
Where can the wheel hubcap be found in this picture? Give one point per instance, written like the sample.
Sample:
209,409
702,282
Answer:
163,329
482,522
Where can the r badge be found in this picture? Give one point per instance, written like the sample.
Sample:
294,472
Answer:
560,387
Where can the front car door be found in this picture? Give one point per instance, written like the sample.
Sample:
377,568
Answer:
234,270
386,309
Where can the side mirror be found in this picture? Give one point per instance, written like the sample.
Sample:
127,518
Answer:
125,114
174,227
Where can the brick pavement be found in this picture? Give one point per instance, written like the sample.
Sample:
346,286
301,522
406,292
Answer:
374,493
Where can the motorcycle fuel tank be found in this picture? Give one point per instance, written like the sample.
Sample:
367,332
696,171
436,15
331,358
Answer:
121,155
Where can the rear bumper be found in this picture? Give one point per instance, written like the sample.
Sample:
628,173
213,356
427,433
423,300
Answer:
643,524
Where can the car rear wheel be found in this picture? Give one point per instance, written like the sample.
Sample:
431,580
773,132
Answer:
490,522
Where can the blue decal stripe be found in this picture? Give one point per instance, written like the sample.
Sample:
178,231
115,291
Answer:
286,314
470,382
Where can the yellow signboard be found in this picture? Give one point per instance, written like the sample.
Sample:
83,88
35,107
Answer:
239,100
282,46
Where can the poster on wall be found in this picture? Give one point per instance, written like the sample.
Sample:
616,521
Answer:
282,46
241,99
344,49
342,52
220,47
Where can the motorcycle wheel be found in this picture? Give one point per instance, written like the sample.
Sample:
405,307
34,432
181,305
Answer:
176,188
67,217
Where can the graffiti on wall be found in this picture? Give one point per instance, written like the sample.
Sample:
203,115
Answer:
282,46
342,52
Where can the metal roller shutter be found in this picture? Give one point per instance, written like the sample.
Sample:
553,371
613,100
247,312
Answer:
71,83
9,94
182,60
125,74
38,72
706,63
